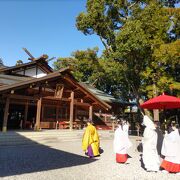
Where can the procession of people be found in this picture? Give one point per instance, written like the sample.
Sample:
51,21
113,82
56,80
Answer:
160,152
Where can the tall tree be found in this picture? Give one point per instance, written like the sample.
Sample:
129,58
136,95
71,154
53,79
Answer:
132,32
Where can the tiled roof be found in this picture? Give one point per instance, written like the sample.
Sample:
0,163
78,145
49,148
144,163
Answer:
12,79
104,96
11,82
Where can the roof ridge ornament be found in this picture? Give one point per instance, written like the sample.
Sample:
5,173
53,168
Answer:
32,58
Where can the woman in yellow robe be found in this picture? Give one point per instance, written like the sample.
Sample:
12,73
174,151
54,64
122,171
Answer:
90,141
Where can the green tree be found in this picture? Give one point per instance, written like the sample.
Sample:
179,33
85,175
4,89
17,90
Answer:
85,64
167,58
132,32
19,62
141,35
102,73
170,3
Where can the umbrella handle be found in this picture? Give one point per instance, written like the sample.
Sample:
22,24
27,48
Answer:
142,112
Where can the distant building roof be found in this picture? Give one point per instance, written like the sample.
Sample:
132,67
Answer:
104,96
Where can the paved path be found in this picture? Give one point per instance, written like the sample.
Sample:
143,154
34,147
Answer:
66,161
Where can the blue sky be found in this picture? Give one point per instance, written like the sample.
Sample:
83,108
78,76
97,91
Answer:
43,27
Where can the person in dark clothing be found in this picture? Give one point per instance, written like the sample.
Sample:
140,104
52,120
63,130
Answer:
160,137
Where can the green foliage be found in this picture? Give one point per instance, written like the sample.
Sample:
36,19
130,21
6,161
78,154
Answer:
139,38
104,74
104,18
170,3
19,62
168,68
85,64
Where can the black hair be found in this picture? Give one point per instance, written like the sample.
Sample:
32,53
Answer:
120,123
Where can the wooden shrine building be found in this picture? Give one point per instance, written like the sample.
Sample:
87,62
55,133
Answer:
33,96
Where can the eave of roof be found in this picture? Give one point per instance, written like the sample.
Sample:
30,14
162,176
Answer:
37,61
100,100
34,80
8,88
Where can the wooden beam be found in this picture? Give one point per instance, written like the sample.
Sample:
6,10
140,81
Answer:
6,113
76,89
94,103
42,112
38,114
81,104
90,112
57,113
25,113
86,96
21,97
75,84
56,99
87,92
22,103
71,111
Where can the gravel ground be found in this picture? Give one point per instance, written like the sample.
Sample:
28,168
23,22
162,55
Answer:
66,161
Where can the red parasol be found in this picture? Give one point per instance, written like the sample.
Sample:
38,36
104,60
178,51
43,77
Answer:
162,102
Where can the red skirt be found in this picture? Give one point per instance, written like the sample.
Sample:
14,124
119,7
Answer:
170,167
121,158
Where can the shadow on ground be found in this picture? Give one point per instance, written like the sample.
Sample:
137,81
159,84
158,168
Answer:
16,160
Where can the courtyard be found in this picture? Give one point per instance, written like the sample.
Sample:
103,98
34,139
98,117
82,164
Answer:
65,160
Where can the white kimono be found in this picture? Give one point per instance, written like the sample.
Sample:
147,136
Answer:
126,128
121,141
150,155
171,147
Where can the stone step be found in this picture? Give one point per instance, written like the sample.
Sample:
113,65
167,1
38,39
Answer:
47,136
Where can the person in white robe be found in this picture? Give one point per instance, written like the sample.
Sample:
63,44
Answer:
150,155
121,143
126,127
171,151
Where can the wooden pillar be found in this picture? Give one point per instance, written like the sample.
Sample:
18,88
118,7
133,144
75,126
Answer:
105,118
57,113
156,114
71,111
38,114
25,114
6,113
42,111
75,112
155,111
90,112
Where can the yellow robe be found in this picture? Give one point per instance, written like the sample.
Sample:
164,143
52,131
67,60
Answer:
91,137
